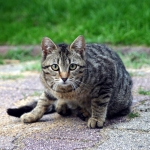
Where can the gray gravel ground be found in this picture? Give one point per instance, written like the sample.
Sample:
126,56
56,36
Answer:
54,132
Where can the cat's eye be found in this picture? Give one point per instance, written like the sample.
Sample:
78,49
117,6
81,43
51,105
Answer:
55,67
72,66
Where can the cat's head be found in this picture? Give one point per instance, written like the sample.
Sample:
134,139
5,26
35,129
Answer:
63,65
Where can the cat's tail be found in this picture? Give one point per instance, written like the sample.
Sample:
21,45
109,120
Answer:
18,112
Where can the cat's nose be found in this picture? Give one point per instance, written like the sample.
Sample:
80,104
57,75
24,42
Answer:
64,79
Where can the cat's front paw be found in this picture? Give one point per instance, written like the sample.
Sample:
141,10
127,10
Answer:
95,123
28,118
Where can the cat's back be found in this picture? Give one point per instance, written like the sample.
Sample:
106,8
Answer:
101,63
98,51
102,58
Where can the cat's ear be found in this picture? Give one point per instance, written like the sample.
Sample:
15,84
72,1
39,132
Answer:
78,44
48,46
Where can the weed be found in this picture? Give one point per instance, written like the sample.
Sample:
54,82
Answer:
135,60
10,77
1,61
142,102
36,66
133,115
143,92
139,74
36,93
132,74
18,54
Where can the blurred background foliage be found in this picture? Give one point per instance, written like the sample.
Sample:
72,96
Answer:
117,22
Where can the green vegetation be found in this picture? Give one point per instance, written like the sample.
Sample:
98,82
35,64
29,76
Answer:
36,66
135,60
133,115
102,21
142,102
36,93
143,92
112,21
10,77
18,54
131,60
138,74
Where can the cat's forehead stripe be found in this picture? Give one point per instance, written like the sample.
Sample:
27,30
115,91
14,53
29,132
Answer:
63,47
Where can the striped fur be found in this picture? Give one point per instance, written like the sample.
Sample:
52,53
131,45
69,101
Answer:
91,77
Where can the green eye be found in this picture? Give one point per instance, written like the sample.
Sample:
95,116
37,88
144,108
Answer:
73,66
55,67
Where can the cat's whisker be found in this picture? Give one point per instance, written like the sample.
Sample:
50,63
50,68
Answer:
85,86
72,83
81,82
55,87
73,86
56,79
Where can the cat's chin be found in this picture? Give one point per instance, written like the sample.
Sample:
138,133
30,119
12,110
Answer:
63,87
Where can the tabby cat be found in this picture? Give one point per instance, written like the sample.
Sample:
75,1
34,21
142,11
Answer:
87,78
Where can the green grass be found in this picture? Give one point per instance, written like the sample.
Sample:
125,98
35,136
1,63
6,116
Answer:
36,93
36,66
133,115
143,92
18,54
10,77
135,60
104,21
131,60
138,74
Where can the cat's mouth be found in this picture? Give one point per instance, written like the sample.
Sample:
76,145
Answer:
63,88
